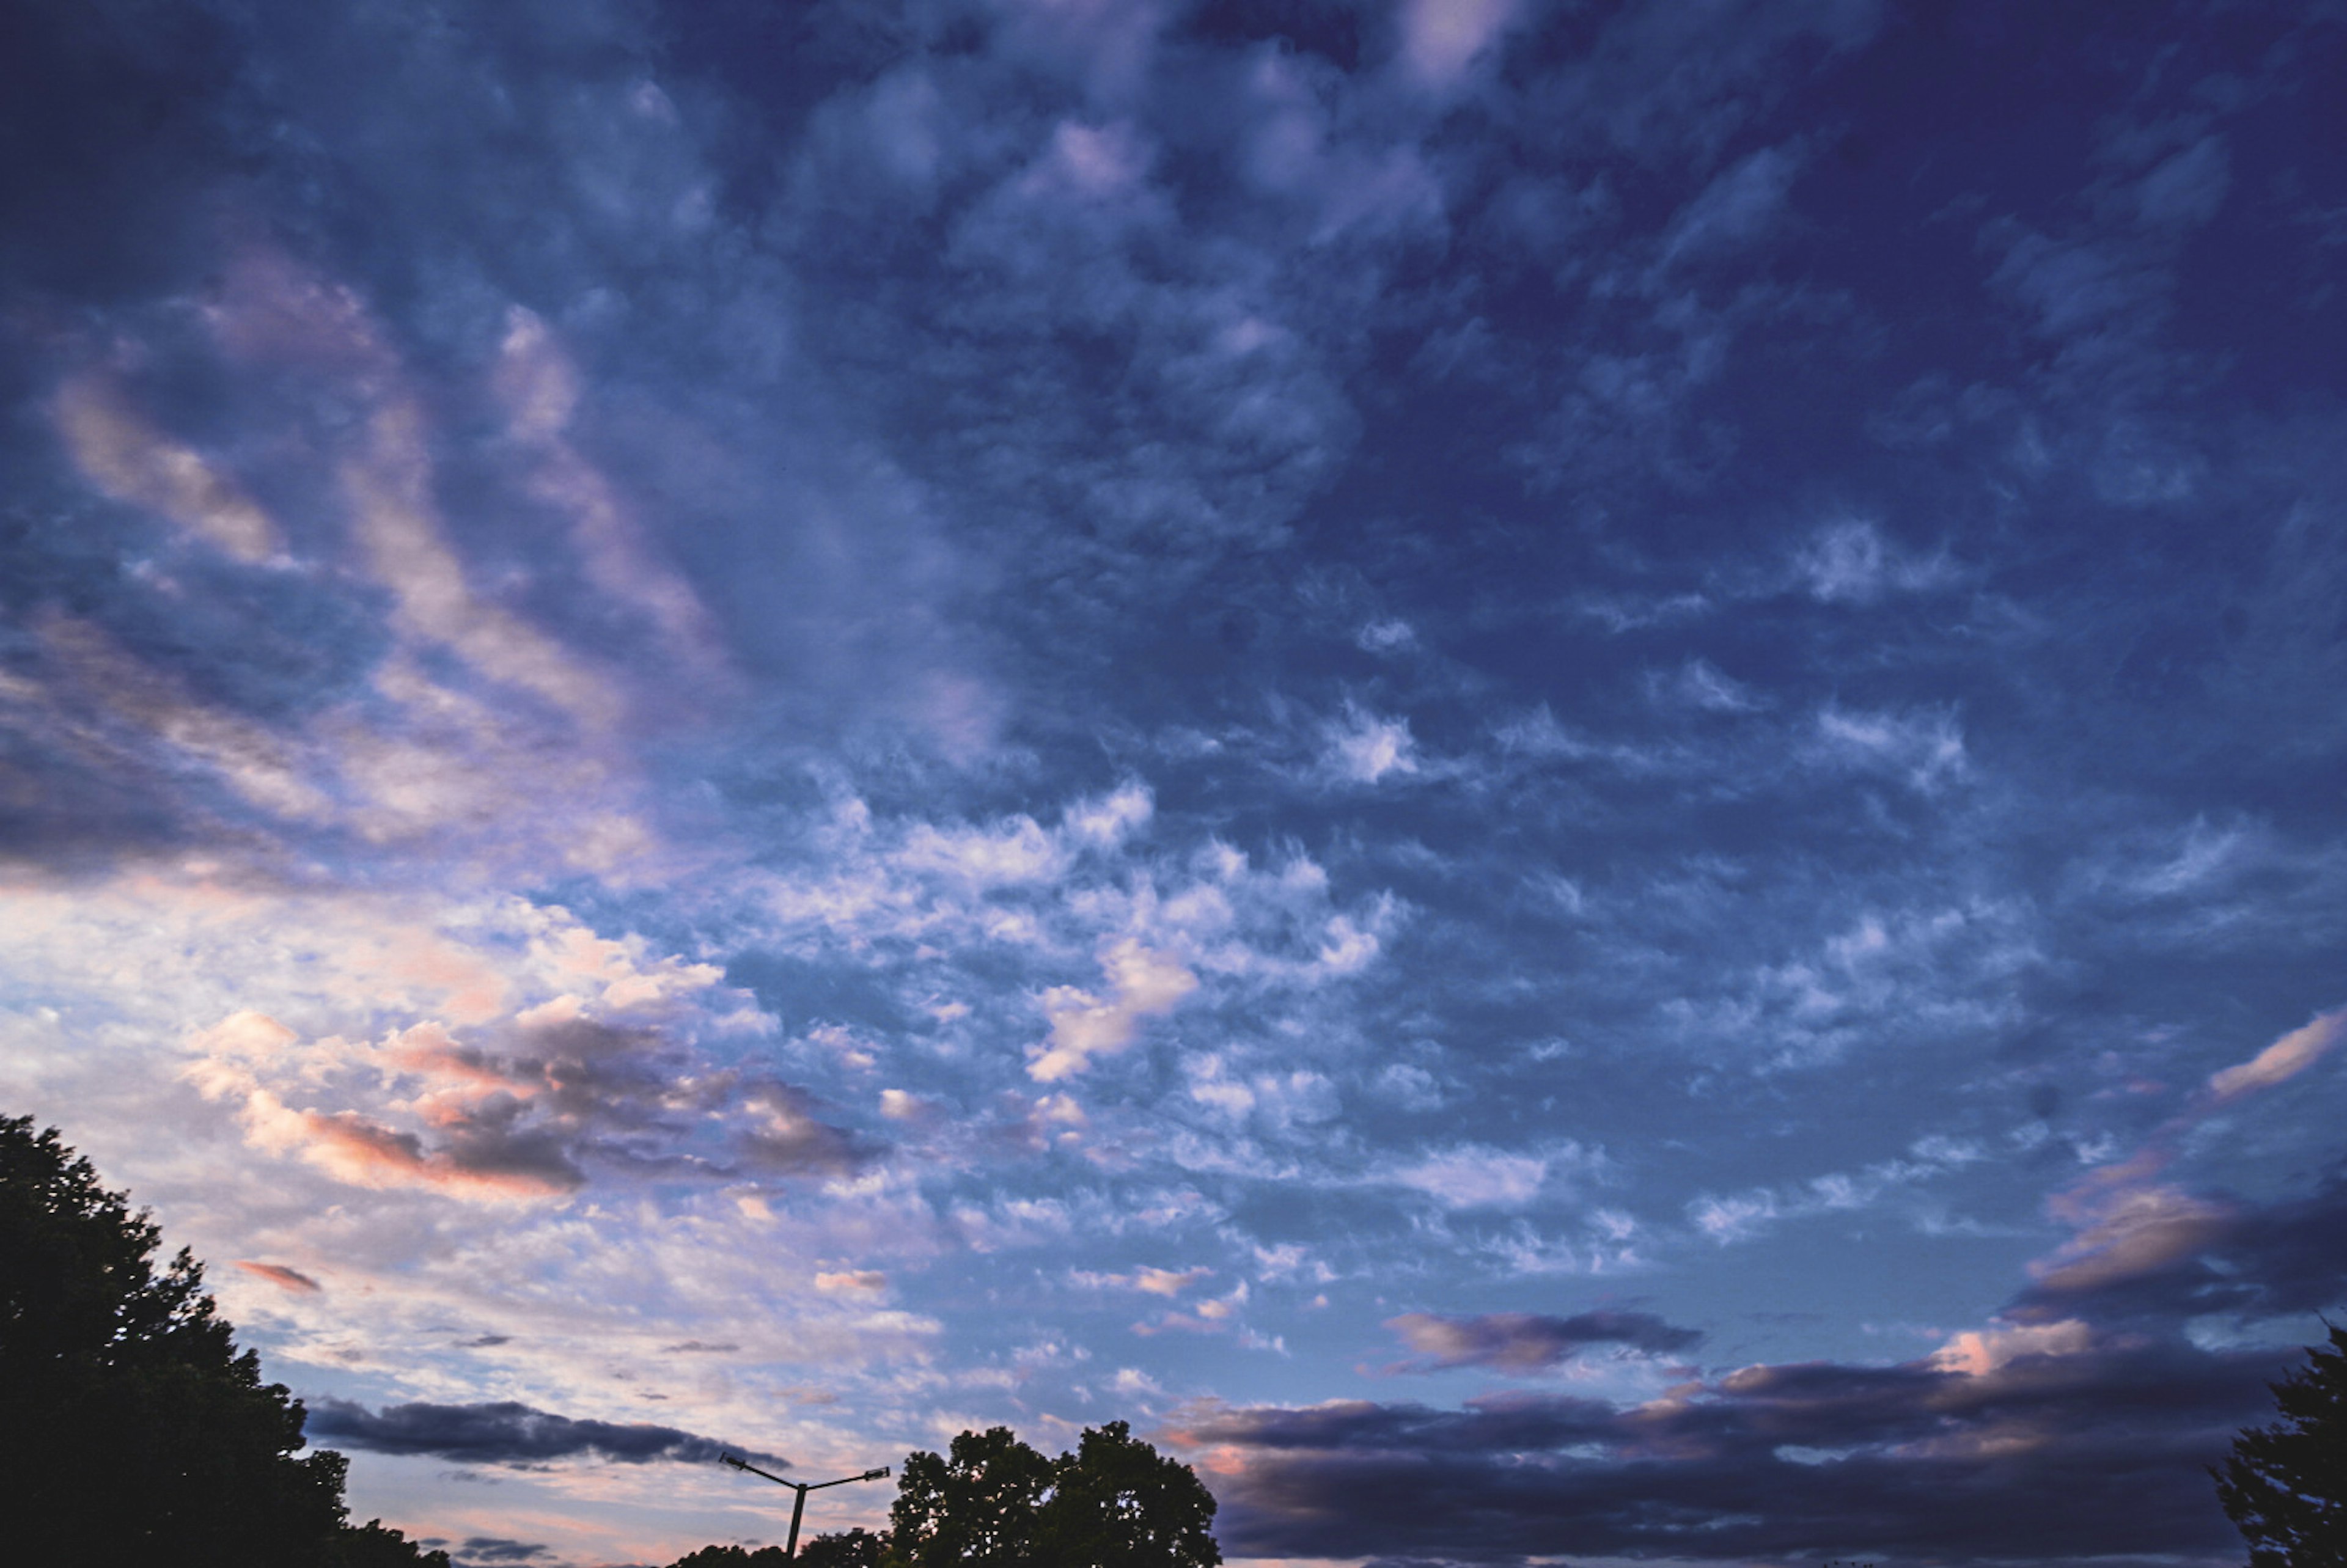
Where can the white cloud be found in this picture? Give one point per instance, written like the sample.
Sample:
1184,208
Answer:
1472,1176
1110,819
1851,562
1365,748
1142,984
1926,748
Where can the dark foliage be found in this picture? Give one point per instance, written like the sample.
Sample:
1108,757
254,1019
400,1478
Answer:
2285,1486
976,1505
131,1429
992,1502
375,1544
844,1549
732,1557
1114,1503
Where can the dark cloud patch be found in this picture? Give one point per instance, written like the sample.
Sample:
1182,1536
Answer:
112,142
1529,1342
2080,1425
2250,1262
2093,1453
580,1092
498,1549
506,1433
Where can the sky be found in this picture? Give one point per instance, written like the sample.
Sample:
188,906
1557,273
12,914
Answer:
1567,780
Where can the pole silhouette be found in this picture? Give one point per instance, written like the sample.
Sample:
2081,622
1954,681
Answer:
798,1504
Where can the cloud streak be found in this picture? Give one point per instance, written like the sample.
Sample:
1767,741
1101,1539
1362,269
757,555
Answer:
507,1433
1532,1342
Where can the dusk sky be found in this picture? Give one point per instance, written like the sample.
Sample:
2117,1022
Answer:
1568,780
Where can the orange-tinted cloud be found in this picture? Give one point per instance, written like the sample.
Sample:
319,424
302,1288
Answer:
278,1274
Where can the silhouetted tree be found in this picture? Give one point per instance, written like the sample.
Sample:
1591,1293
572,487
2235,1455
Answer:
375,1544
843,1549
132,1430
1116,1502
2285,1486
975,1508
994,1502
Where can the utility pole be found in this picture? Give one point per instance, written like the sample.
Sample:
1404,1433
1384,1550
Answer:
798,1506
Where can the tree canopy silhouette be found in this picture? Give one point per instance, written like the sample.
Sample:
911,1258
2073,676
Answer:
131,1428
843,1549
992,1502
2285,1486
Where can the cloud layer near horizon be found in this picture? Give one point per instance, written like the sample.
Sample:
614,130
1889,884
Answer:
840,721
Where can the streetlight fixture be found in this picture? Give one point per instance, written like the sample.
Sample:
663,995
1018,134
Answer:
798,1506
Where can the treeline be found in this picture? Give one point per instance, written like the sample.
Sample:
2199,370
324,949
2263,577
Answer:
134,1431
1114,1503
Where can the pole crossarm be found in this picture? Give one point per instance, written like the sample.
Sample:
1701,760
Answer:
798,1504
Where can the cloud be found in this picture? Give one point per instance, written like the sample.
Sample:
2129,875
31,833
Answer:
1926,749
2146,1248
1365,748
1531,1342
129,459
1851,562
1738,206
1142,984
506,1433
2285,1059
602,1068
1472,1176
1441,38
864,1281
486,1162
2133,1230
2149,1254
1166,1282
2046,1450
278,1274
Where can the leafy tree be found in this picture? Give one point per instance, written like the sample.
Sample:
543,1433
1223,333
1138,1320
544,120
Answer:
843,1549
1116,1502
994,1502
375,1544
132,1430
2285,1486
975,1508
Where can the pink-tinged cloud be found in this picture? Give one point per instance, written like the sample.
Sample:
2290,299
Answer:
2134,1232
1980,1351
2285,1059
1441,38
867,1281
278,1274
366,1154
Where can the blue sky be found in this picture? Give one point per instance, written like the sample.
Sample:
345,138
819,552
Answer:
1564,779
